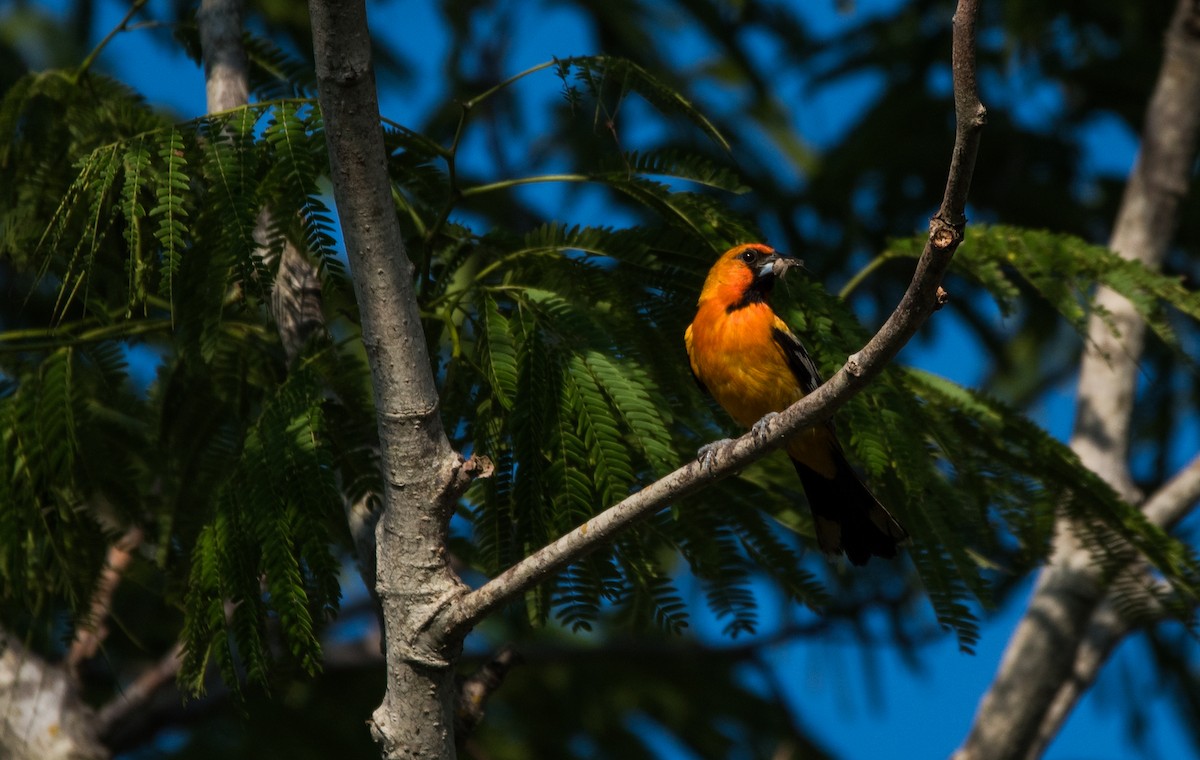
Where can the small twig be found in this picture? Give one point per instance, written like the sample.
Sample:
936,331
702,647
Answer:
94,629
475,691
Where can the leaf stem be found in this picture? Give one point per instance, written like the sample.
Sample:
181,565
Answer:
507,183
865,272
469,104
120,27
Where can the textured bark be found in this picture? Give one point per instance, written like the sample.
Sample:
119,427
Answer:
93,630
1069,629
421,472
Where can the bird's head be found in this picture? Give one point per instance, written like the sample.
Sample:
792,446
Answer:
745,274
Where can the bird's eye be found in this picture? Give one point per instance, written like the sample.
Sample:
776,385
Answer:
747,257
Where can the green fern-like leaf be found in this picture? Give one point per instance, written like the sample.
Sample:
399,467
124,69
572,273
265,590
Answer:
137,179
274,74
230,167
677,165
268,529
1108,525
604,76
1065,270
607,460
170,212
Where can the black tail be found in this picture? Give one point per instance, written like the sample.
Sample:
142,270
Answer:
847,516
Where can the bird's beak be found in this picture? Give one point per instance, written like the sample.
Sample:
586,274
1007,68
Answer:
778,264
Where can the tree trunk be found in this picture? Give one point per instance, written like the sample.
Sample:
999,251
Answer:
44,717
422,474
1033,689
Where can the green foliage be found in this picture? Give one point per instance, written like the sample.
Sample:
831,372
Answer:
1064,271
1010,449
558,349
131,236
46,552
608,80
262,568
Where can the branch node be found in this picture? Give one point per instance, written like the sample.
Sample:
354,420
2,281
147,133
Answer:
854,364
465,473
941,299
944,235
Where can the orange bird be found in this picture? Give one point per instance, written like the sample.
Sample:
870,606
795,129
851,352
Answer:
747,358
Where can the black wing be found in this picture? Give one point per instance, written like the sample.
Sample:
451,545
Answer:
798,360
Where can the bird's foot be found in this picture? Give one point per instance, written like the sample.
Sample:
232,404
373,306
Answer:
707,454
759,429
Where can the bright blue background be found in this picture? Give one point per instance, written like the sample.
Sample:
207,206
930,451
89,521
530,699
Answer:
873,706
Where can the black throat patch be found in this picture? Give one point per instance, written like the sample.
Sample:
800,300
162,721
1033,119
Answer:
758,292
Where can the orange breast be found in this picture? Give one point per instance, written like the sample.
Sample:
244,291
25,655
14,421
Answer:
736,357
738,360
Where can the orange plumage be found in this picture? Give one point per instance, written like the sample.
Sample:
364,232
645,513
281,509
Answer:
752,364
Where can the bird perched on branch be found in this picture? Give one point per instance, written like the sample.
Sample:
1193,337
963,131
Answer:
747,358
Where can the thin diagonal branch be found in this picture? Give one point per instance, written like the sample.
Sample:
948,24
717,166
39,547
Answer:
133,698
478,688
1176,498
122,26
918,302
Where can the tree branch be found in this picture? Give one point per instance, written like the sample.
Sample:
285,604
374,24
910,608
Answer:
296,303
132,699
226,78
1107,628
93,630
919,301
1176,498
1050,657
478,688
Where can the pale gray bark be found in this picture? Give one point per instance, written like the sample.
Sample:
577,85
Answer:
1107,629
1069,629
422,474
41,714
226,84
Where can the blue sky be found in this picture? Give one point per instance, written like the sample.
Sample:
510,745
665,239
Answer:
919,713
